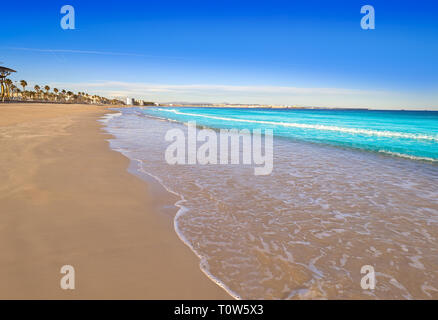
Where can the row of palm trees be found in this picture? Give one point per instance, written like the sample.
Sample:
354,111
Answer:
43,94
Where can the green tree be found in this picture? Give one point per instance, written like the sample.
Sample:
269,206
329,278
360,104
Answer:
23,83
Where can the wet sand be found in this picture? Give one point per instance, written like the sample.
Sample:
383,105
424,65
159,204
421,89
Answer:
67,199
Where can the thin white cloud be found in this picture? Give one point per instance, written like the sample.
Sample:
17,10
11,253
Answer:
267,94
93,52
142,88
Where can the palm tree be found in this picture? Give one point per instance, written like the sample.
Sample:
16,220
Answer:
63,94
37,90
69,94
9,87
23,83
47,88
55,90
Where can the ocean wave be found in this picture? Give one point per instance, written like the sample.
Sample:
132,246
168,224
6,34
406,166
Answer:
181,211
408,156
368,132
107,117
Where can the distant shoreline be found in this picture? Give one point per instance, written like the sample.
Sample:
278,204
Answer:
281,108
218,106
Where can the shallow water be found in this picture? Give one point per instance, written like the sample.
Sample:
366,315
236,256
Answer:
306,230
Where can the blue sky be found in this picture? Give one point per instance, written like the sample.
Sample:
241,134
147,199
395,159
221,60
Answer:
273,52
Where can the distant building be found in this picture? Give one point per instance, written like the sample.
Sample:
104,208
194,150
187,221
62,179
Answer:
129,101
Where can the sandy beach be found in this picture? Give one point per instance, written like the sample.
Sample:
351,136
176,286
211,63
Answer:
67,199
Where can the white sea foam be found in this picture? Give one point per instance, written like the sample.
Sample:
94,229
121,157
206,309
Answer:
369,132
181,210
109,116
408,156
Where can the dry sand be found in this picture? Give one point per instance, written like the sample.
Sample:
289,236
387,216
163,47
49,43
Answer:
67,199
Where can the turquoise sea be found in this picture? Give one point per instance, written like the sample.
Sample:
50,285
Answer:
409,134
349,188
